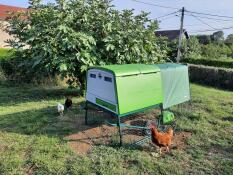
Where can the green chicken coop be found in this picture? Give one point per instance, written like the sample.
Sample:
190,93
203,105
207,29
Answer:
127,89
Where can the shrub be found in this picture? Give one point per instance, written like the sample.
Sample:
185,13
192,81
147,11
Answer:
224,62
212,76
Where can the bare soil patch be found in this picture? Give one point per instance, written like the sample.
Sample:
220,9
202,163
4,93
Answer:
83,141
179,140
102,134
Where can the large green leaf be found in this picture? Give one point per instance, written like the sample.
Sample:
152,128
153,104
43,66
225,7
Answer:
63,67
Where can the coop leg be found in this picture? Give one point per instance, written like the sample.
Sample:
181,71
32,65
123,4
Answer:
86,108
161,116
161,109
119,127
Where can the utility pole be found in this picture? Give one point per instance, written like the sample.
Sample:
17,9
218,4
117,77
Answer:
180,36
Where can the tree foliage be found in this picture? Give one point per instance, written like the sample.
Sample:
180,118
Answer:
212,46
216,51
217,37
191,48
229,39
208,47
69,36
204,39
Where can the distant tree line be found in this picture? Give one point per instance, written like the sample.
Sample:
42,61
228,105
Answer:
216,46
213,46
211,50
210,47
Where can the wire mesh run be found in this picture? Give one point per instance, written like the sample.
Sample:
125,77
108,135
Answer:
134,128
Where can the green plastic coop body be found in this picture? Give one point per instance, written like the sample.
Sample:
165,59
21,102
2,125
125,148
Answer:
130,88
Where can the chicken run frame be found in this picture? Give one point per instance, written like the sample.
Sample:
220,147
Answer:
128,89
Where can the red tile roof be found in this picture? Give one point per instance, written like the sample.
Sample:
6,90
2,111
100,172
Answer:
5,9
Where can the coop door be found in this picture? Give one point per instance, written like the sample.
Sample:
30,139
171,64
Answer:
101,89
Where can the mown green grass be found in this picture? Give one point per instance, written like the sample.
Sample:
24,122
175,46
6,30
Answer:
32,137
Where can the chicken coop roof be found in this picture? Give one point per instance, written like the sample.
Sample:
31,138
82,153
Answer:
130,69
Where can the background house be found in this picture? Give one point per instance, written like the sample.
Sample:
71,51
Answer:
172,34
4,13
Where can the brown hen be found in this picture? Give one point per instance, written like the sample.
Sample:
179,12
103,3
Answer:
161,139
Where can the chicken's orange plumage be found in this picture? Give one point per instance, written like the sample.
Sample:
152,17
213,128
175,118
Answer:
161,139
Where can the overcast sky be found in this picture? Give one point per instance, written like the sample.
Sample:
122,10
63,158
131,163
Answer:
218,7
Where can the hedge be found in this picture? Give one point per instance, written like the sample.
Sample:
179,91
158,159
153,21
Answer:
211,76
225,63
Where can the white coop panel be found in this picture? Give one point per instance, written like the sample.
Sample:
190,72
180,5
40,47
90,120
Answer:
100,84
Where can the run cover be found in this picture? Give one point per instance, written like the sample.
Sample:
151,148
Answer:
175,83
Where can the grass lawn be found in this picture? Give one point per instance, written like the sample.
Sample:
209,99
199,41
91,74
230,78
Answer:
32,137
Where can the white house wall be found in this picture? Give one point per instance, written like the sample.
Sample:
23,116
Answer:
3,35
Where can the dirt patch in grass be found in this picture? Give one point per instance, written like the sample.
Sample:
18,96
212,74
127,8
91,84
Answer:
101,134
31,170
220,151
179,141
88,136
83,141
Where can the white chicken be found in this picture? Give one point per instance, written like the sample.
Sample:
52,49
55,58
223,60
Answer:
60,108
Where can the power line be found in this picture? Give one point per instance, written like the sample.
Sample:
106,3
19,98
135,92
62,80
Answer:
169,17
214,29
202,21
224,28
168,14
156,5
204,15
168,7
215,19
190,25
221,16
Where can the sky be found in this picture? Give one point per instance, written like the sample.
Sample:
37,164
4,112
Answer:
193,24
